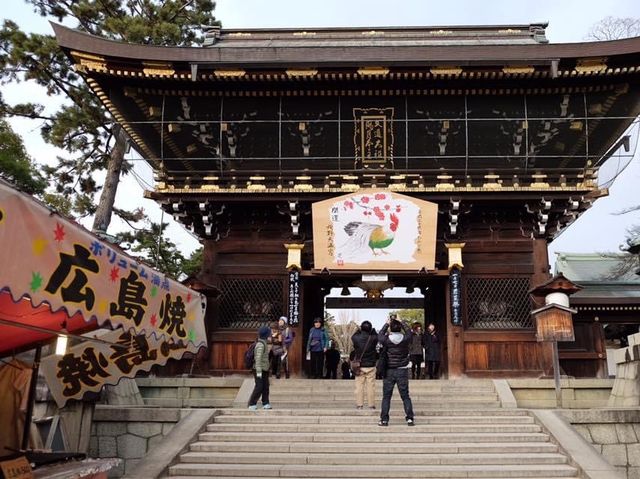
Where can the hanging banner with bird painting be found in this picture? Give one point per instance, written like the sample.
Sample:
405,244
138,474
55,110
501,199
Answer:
374,230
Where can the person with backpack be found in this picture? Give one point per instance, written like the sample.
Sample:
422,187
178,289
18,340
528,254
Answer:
395,337
317,345
260,370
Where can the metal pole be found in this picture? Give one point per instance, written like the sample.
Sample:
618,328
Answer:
32,398
556,373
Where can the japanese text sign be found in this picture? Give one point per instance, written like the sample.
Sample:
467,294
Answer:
52,260
91,364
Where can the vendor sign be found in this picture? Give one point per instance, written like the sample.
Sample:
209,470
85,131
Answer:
92,364
52,260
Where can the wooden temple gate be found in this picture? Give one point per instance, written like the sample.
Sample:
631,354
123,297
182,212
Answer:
504,133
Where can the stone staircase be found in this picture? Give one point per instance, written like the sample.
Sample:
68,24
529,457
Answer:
314,431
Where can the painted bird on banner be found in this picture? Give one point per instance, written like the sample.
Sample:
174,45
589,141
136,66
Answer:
368,235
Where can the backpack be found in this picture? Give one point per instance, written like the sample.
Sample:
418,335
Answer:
250,355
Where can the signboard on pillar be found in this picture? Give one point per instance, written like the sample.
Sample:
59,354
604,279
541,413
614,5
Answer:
374,230
455,288
294,297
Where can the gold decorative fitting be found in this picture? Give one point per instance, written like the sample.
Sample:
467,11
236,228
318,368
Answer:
518,70
158,69
86,61
368,71
302,72
229,73
440,33
493,182
591,65
455,255
294,256
173,127
538,183
576,125
446,70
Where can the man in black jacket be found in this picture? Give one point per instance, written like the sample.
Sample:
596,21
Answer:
364,350
397,347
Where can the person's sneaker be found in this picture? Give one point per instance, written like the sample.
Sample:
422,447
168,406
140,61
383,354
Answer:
253,408
410,422
383,423
267,406
358,407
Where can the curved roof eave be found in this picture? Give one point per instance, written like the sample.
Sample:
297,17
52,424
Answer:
459,54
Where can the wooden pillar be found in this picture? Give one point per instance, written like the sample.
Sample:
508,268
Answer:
455,333
541,275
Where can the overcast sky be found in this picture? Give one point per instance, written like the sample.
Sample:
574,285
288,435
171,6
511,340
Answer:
598,230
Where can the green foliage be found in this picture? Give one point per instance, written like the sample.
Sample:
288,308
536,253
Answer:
82,126
192,265
15,164
329,319
151,245
411,316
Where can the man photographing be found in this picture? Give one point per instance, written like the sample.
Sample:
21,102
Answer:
396,337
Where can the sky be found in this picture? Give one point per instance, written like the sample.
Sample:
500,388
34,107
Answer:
600,229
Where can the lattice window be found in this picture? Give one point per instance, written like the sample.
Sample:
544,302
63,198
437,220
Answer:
498,303
250,303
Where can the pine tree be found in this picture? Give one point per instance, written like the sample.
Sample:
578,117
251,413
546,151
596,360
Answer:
150,245
15,164
92,139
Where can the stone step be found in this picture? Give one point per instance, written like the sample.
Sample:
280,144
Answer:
370,427
310,477
303,396
346,403
360,419
380,436
370,459
350,385
351,411
374,471
393,448
464,383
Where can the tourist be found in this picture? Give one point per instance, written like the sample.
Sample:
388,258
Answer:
396,343
277,349
317,346
432,350
416,350
332,359
287,339
364,347
346,369
261,370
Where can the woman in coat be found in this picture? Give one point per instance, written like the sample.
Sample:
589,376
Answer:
317,345
433,350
